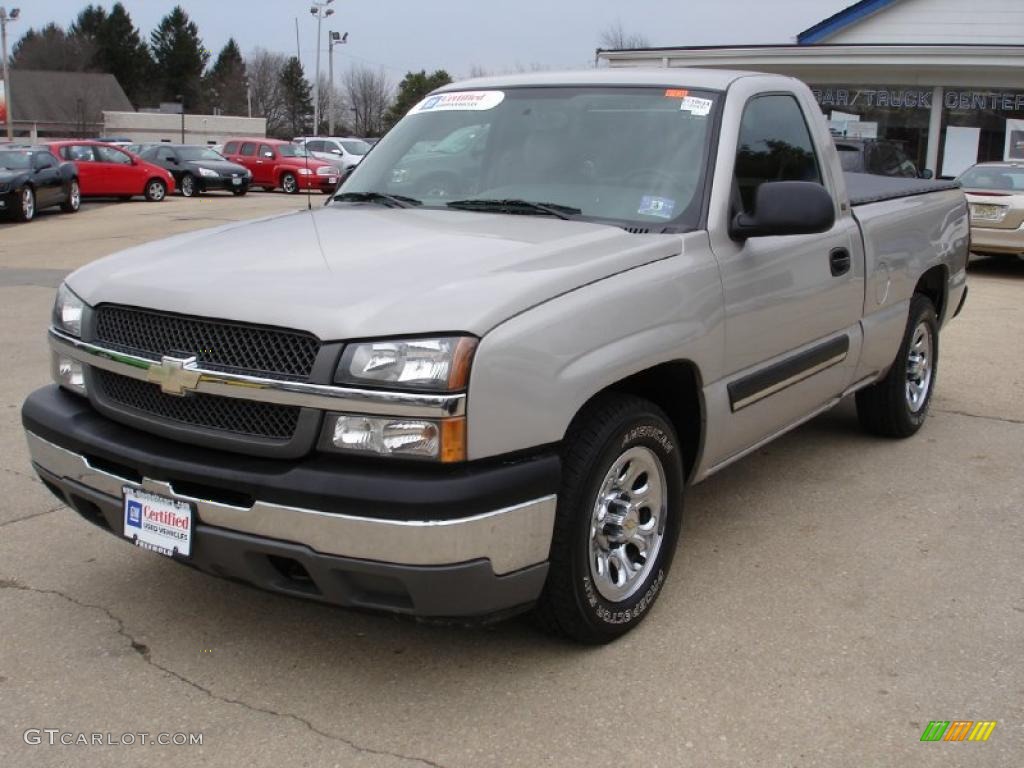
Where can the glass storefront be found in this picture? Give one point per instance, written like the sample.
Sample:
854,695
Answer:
978,124
897,113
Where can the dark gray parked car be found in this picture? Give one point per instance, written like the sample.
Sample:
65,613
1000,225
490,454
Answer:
198,169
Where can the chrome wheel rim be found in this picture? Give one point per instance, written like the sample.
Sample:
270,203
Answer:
187,186
76,196
156,191
289,184
28,203
920,366
628,523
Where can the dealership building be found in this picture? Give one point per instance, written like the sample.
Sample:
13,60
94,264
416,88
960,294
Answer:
943,77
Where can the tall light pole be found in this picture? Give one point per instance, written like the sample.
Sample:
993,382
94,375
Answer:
4,18
181,101
321,11
333,38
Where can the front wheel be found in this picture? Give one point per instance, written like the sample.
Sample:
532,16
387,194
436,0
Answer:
897,405
25,210
289,183
74,201
618,520
156,191
239,191
188,185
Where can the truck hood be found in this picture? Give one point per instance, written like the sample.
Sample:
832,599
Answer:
345,272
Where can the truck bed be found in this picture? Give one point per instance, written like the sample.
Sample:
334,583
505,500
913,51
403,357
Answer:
864,188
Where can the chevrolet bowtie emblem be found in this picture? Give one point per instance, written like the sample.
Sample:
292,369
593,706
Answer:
175,375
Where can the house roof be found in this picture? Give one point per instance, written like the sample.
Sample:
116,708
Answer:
848,16
64,97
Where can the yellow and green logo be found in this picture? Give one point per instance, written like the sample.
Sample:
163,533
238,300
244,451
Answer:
958,730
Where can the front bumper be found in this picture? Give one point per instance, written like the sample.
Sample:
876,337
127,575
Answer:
469,542
323,183
225,183
992,240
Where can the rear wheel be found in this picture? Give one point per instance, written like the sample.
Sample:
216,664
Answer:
618,520
156,190
289,183
188,185
25,210
74,201
897,405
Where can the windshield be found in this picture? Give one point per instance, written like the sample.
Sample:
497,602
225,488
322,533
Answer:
355,147
15,161
635,154
189,154
994,177
293,150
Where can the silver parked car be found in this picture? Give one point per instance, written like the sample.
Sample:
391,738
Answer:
344,153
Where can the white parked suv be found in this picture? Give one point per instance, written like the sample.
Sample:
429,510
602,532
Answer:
342,152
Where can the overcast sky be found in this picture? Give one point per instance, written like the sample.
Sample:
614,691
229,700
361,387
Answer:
403,35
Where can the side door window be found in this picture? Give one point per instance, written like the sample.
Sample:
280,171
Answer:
774,145
317,146
266,152
118,171
231,148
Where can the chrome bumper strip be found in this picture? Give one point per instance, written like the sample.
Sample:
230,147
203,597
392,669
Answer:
511,538
301,394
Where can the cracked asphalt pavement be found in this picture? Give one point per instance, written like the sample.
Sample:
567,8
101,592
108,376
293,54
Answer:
833,593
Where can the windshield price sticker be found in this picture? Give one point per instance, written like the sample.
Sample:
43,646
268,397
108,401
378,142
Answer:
697,106
676,93
462,101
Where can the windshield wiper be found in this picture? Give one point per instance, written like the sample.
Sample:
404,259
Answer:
393,201
516,206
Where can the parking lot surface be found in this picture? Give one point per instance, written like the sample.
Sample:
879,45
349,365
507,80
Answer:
833,594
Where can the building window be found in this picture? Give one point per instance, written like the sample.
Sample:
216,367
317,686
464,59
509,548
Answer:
992,113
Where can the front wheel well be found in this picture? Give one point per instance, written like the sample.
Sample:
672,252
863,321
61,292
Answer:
675,387
932,284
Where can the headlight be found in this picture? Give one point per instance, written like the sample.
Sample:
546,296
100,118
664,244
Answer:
443,440
67,311
327,170
440,365
305,172
208,173
68,373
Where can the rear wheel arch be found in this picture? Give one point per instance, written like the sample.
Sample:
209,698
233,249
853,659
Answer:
934,284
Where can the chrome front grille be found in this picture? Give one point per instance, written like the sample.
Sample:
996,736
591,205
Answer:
251,418
218,345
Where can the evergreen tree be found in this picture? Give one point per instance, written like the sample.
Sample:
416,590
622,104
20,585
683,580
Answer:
413,88
297,99
180,58
122,53
224,84
88,24
50,48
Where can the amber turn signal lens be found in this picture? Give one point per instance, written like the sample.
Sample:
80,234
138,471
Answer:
453,440
462,361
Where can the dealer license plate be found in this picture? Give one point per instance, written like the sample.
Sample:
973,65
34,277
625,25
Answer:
157,523
987,212
236,181
332,179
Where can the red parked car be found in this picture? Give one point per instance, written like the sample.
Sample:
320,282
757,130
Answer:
277,164
108,171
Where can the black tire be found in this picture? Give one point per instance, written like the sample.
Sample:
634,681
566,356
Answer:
188,186
572,603
156,191
25,206
239,191
289,183
74,201
885,407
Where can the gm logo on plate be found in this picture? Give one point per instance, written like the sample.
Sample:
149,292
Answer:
135,514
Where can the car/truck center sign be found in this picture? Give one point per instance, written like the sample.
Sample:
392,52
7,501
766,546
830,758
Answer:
917,98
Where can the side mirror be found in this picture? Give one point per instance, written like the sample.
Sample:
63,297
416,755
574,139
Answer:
172,160
786,208
335,151
927,173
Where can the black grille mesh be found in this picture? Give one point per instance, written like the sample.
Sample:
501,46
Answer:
226,414
217,345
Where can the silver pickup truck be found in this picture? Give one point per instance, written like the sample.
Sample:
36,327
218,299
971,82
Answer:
465,393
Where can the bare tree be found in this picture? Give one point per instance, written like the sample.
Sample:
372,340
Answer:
615,38
264,71
477,71
368,96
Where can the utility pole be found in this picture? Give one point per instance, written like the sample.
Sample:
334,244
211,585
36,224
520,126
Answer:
181,101
333,38
319,9
248,95
4,18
